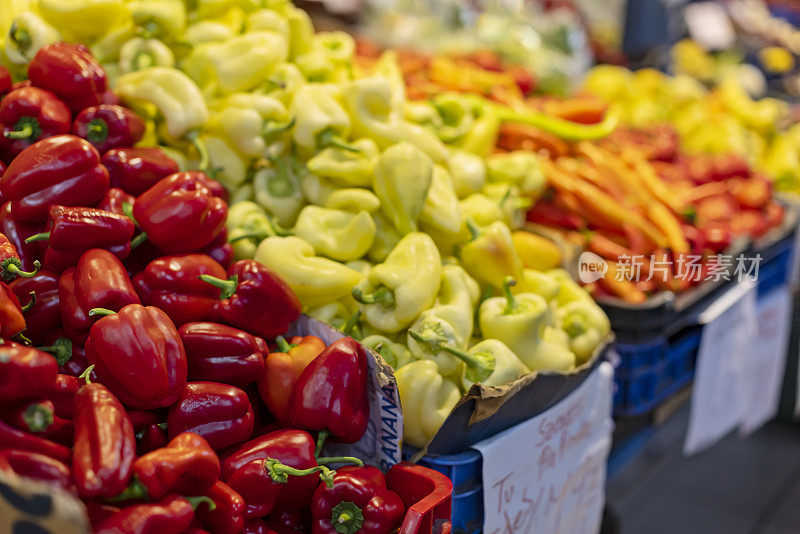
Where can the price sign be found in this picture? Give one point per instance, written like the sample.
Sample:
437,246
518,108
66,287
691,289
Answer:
716,407
762,371
548,474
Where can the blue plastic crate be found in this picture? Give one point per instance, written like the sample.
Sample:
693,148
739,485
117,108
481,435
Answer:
775,270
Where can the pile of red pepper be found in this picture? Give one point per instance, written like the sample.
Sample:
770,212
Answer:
138,374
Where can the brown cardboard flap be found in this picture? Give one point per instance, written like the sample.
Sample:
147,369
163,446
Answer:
31,506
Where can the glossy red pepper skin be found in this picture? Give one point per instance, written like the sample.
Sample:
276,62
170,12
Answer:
149,429
220,250
39,418
25,373
257,526
5,82
71,72
77,363
37,467
340,371
74,231
222,353
98,281
259,491
45,315
115,200
139,355
171,515
291,447
214,187
13,438
289,521
9,260
63,395
228,516
12,322
172,283
187,465
105,446
108,126
361,487
17,232
262,302
221,413
61,170
137,169
180,214
32,113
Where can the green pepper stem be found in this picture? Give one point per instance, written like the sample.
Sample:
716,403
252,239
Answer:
562,128
383,295
10,268
97,130
329,138
102,312
347,518
138,240
25,133
202,150
200,499
431,339
270,131
30,304
38,417
61,350
135,491
87,374
474,230
321,437
279,472
283,345
279,184
352,460
44,236
349,327
142,60
22,38
127,209
227,287
479,366
511,301
23,339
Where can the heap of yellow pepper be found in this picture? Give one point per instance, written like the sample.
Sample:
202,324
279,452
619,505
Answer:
387,215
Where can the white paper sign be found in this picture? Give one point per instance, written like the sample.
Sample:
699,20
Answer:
762,373
725,342
548,474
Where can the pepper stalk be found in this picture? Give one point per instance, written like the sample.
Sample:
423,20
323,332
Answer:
480,366
11,268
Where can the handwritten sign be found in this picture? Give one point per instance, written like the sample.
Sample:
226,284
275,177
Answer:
762,372
548,474
717,397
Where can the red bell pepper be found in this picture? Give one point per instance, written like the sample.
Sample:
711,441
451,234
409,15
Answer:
228,516
63,395
62,170
105,446
187,465
115,201
137,169
17,232
254,298
28,115
139,355
25,373
37,467
173,284
12,322
73,231
221,413
171,515
108,126
39,418
258,526
150,431
293,448
5,82
98,281
180,214
281,371
358,501
289,521
73,355
220,250
222,353
12,438
11,264
340,371
71,72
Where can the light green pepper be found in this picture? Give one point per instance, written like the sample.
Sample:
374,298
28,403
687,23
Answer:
568,289
386,238
427,400
520,167
207,31
277,188
323,193
537,282
441,212
283,83
507,365
586,325
320,120
347,167
139,53
401,180
395,354
267,19
247,225
224,163
27,34
468,171
339,235
159,17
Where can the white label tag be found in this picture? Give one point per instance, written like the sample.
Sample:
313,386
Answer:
716,395
709,25
548,474
762,373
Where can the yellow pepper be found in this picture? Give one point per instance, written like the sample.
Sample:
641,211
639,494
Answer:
277,188
481,209
441,211
449,321
160,17
205,9
395,354
301,30
508,200
337,234
490,256
108,46
536,252
324,193
249,122
468,171
27,34
315,280
283,83
224,163
401,180
237,64
320,120
507,365
346,166
386,238
520,167
267,19
139,53
427,400
82,20
586,325
207,31
537,282
246,219
568,289
396,291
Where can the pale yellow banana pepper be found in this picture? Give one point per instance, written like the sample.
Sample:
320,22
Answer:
427,400
337,234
